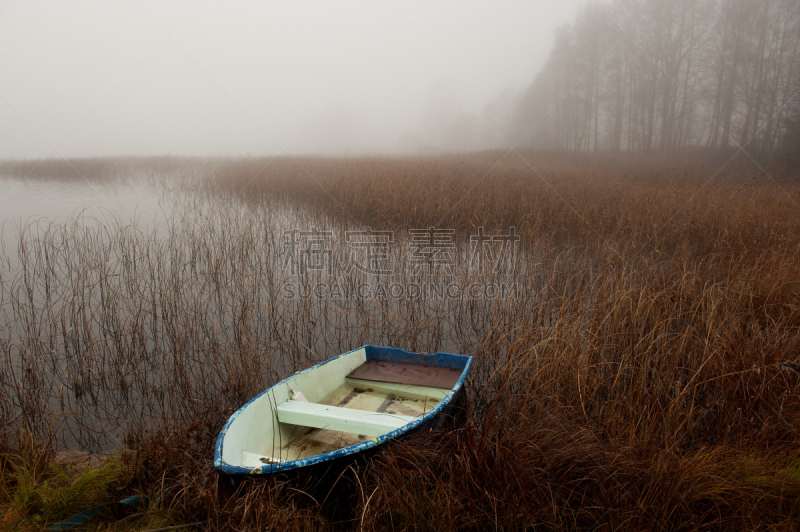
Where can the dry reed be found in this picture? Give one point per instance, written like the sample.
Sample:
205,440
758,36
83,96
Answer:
642,377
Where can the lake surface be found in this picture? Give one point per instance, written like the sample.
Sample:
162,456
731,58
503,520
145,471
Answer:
30,200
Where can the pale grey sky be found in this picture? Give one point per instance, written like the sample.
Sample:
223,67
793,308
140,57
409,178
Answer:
99,78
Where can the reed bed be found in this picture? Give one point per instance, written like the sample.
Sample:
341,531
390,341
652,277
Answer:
639,375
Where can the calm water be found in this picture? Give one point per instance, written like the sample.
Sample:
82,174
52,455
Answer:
34,204
33,200
73,329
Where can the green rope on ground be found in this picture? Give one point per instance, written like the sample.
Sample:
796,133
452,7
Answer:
81,518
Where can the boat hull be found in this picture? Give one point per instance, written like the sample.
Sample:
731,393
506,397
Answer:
256,425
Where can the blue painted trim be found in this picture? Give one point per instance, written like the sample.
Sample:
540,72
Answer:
393,354
389,354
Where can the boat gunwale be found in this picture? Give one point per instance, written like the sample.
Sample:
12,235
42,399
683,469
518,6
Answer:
378,353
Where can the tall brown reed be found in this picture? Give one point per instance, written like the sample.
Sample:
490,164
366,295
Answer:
634,381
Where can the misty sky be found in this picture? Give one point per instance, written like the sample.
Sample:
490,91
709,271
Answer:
98,78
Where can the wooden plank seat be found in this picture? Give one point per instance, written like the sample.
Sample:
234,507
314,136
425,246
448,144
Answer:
329,417
403,390
378,370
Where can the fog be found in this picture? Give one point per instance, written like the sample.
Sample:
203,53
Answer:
92,78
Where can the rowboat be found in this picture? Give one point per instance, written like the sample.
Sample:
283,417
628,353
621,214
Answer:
342,406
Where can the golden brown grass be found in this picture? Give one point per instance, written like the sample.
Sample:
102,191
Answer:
635,383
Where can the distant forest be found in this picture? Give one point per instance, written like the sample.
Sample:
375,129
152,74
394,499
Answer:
664,75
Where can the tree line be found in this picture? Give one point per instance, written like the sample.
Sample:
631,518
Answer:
666,75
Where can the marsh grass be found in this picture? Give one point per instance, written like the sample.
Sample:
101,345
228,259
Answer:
635,382
35,491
